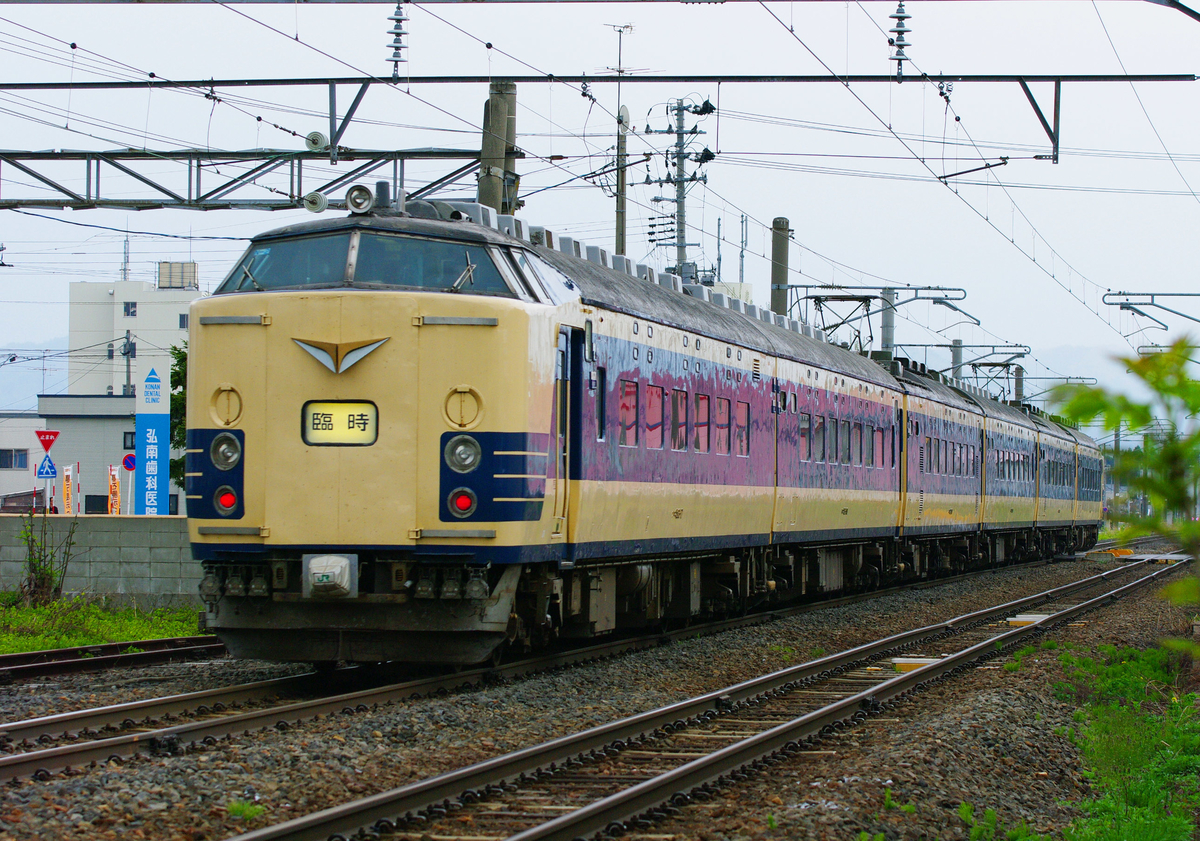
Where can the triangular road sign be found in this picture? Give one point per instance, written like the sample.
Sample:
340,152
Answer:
47,437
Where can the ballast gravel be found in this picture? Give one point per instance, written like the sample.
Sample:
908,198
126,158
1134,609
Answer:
997,747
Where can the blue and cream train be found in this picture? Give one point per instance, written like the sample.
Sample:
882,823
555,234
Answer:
415,437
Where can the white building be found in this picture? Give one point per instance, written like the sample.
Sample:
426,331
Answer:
20,452
101,315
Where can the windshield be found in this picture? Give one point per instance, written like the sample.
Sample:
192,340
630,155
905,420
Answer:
381,260
427,264
287,263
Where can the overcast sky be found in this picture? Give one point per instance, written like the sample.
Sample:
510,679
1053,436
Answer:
854,168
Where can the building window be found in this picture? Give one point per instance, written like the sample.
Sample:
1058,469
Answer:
131,309
14,459
183,321
110,350
130,442
173,503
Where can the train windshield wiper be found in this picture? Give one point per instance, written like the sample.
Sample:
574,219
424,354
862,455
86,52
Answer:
246,275
467,276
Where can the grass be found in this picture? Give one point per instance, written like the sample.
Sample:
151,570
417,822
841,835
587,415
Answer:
75,622
1141,743
244,809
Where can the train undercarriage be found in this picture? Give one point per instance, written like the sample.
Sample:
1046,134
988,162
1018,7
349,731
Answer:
466,614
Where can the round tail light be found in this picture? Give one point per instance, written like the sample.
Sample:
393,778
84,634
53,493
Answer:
225,500
462,502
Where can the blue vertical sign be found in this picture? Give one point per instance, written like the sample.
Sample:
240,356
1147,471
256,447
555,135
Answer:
152,478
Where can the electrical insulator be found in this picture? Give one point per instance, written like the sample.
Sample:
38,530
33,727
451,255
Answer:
398,19
899,31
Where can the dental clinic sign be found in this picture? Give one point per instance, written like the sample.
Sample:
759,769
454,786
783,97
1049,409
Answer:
152,479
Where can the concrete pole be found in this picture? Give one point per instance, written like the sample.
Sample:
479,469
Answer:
1116,458
128,351
956,358
492,157
508,203
779,265
680,190
1019,384
622,128
887,328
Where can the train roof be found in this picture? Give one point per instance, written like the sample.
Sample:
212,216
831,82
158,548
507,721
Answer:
624,293
621,292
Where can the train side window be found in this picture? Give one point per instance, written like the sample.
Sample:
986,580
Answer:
679,419
654,417
869,446
805,436
700,424
792,402
818,438
741,430
927,456
601,403
890,442
831,445
844,441
629,414
723,426
880,454
935,457
856,444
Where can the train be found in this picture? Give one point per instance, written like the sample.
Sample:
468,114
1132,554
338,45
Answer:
437,435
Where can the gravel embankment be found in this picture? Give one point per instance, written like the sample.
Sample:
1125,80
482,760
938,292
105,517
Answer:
322,763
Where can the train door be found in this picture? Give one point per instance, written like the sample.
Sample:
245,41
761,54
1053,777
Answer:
565,423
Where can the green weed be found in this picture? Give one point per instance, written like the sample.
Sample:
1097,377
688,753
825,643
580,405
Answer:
244,809
66,624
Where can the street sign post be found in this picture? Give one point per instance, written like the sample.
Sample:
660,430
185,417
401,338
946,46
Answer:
153,446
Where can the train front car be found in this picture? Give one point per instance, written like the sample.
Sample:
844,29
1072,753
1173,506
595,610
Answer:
369,458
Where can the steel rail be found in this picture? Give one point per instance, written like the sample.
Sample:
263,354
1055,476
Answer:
87,658
652,793
439,791
49,760
81,722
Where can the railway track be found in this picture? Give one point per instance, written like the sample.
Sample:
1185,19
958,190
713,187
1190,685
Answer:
621,776
91,658
87,737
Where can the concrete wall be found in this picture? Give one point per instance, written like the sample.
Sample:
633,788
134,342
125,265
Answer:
145,561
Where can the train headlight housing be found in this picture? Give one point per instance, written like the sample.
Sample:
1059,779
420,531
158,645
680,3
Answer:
235,586
210,588
225,500
225,451
462,502
463,453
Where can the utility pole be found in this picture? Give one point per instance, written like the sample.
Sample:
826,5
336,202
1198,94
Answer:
127,351
887,327
494,152
742,252
718,249
622,129
956,349
779,265
125,261
681,179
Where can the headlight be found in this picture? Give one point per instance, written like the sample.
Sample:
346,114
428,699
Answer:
463,453
225,451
